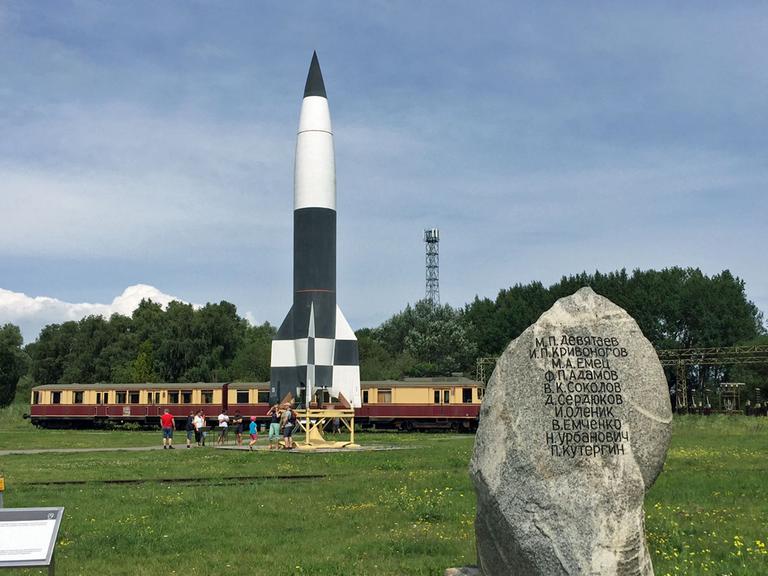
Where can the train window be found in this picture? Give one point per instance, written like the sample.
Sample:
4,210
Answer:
365,396
466,395
55,397
446,396
437,397
186,396
106,397
157,397
480,393
207,396
77,398
98,397
35,397
384,396
121,397
263,397
133,398
173,397
150,398
242,397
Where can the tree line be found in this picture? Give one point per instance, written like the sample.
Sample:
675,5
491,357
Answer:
675,308
177,343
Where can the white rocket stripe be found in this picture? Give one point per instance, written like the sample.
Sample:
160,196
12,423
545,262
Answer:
315,115
314,177
324,351
289,353
284,353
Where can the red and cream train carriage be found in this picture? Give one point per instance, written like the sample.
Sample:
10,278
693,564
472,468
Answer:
452,402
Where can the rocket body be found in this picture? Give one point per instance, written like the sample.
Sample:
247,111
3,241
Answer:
315,348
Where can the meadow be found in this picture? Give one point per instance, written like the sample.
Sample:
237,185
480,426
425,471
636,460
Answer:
401,512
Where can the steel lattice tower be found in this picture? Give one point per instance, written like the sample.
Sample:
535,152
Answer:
432,241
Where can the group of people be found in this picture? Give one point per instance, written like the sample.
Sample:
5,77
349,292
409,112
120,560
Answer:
282,422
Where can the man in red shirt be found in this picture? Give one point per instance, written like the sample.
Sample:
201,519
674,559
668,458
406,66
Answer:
166,421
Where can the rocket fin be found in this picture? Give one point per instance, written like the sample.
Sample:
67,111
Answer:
286,328
343,329
346,362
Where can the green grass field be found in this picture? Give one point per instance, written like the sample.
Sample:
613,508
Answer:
406,512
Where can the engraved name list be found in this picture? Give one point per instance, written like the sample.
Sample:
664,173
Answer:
583,393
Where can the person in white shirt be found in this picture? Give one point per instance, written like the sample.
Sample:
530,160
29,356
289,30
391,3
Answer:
199,423
223,427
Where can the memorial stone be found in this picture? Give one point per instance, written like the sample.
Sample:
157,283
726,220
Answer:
574,428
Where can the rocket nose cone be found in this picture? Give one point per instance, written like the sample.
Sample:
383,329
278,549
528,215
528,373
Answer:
315,85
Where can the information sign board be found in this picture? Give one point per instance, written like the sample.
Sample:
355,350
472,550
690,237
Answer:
28,536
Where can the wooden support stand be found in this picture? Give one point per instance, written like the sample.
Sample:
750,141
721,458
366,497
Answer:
313,421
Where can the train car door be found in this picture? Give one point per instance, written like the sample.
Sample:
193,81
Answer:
102,399
441,398
153,403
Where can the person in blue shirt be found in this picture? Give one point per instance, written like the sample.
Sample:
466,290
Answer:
253,430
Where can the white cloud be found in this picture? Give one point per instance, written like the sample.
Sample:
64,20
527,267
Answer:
118,179
31,313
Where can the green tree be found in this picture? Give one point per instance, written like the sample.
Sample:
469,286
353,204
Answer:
434,337
252,359
13,362
674,307
143,369
376,362
492,325
50,353
176,344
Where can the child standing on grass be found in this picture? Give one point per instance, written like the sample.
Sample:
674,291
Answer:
253,432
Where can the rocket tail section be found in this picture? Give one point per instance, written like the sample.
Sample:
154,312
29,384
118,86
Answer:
346,362
332,363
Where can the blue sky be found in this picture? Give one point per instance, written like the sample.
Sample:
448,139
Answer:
151,143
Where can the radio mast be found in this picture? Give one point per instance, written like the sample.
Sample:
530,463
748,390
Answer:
432,241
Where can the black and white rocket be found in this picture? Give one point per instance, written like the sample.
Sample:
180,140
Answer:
315,348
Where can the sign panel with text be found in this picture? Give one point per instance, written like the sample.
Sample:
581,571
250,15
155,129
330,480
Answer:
28,535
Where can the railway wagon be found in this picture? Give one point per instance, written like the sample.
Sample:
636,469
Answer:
447,402
84,405
452,402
